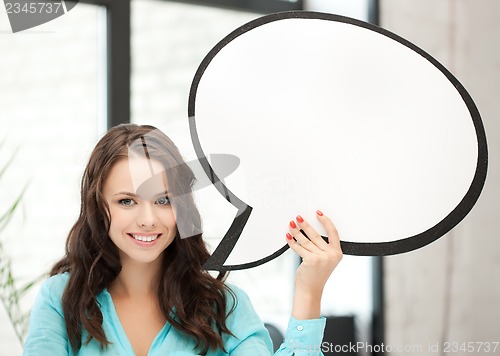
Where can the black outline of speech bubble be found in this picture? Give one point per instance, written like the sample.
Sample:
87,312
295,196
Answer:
220,255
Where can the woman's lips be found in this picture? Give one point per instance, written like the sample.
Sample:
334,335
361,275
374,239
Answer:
145,239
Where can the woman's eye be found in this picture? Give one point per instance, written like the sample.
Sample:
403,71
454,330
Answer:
126,202
163,201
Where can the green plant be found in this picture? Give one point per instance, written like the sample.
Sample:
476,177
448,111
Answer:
10,295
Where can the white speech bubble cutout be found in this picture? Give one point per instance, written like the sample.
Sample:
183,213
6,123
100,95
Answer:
327,112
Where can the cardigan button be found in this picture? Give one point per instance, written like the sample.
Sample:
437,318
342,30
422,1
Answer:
300,328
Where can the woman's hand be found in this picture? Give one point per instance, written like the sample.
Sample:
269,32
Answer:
319,259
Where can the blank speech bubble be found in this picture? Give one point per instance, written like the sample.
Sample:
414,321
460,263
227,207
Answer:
331,113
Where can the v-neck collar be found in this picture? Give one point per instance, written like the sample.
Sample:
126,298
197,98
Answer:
122,336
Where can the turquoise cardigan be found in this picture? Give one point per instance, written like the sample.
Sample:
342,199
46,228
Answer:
47,332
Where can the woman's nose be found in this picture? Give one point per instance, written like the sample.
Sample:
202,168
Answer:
146,217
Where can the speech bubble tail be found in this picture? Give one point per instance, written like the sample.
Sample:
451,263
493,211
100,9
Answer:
225,247
213,265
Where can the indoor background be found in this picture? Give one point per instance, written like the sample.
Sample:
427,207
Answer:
61,86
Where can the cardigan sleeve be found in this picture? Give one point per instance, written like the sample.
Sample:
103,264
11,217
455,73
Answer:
303,337
47,331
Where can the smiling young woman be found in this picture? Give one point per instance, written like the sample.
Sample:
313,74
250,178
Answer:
132,282
139,221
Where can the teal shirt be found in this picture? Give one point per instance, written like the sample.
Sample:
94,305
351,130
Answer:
47,332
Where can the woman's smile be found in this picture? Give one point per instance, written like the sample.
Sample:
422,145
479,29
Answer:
143,240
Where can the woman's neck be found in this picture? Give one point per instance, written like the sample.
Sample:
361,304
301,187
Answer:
136,279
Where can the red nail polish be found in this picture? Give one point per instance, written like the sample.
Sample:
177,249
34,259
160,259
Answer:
300,219
292,224
288,236
319,212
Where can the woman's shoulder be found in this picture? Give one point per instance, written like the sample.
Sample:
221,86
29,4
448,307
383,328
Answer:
49,296
57,281
53,287
233,291
237,297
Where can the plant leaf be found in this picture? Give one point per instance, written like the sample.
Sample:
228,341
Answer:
7,215
9,162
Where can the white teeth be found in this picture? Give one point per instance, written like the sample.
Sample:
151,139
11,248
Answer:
145,238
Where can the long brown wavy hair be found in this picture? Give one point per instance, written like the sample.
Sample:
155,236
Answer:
93,262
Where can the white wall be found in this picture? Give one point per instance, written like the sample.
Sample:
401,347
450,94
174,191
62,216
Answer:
449,291
357,9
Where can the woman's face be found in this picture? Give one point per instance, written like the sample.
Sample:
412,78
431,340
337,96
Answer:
142,219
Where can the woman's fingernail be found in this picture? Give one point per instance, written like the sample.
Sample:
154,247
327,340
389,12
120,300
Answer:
300,219
292,224
319,212
288,236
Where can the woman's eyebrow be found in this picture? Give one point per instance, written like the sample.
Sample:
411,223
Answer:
165,193
126,193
